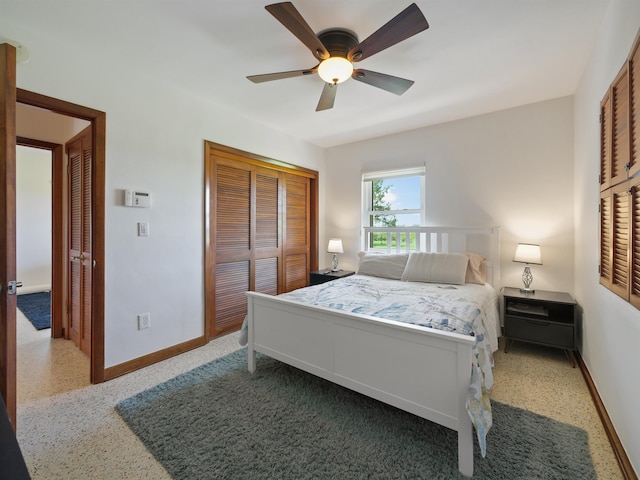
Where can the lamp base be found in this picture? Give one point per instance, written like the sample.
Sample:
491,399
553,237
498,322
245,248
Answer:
527,278
334,263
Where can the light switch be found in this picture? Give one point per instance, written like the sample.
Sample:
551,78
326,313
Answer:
143,229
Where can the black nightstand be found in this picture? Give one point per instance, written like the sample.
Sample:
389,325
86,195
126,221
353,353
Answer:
326,275
545,318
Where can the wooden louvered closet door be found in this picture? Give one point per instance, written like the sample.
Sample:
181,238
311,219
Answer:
80,258
296,244
261,234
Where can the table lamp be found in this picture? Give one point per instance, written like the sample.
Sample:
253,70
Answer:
530,255
335,247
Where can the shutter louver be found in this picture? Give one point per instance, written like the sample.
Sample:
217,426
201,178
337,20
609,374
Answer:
605,143
87,263
620,127
266,211
267,275
296,272
634,293
233,209
606,232
232,281
634,104
297,233
620,238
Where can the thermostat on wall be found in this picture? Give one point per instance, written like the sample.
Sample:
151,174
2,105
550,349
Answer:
137,199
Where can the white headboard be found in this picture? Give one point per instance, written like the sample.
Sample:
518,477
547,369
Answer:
482,240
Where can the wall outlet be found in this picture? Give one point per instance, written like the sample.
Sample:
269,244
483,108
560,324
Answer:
144,321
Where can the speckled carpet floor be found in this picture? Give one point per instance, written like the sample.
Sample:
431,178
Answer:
219,421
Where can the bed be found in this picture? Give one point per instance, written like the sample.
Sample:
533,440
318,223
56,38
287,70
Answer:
440,373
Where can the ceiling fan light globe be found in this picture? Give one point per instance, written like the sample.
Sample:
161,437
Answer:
335,70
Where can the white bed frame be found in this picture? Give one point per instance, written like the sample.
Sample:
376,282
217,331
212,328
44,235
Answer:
417,369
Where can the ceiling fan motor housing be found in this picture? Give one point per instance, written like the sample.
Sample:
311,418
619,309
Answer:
338,41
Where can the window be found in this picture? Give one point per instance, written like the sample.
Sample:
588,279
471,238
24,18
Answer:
620,182
394,198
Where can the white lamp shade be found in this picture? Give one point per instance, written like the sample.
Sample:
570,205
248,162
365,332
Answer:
335,246
335,70
528,253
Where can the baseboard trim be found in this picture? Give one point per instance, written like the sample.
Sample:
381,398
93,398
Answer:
155,357
618,450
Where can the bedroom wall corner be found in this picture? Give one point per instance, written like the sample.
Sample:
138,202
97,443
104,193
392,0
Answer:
610,326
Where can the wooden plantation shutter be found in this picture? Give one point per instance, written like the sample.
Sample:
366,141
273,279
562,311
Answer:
620,182
261,232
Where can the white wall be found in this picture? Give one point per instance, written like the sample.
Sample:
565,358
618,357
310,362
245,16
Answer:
155,143
33,219
512,168
611,326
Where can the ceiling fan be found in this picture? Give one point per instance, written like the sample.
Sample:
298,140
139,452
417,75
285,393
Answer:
337,49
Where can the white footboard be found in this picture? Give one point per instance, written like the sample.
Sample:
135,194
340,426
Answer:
420,370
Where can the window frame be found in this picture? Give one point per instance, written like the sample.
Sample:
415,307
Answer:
367,195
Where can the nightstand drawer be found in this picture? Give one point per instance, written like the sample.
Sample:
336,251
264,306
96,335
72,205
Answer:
540,331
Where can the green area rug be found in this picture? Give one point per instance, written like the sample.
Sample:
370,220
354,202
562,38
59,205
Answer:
220,422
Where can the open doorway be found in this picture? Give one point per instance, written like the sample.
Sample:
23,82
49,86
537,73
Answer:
47,363
42,223
71,119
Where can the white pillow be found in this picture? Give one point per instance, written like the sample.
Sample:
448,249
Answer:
385,266
436,268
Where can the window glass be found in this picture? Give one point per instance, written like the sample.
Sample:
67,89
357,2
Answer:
393,199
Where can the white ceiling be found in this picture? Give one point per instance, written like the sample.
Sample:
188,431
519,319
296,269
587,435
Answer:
476,57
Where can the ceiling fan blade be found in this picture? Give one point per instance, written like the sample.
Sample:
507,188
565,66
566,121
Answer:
386,82
404,25
288,16
267,77
328,97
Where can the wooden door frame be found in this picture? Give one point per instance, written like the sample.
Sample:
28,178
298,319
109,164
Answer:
58,203
98,122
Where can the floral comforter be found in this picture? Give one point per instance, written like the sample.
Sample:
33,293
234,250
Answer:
466,309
